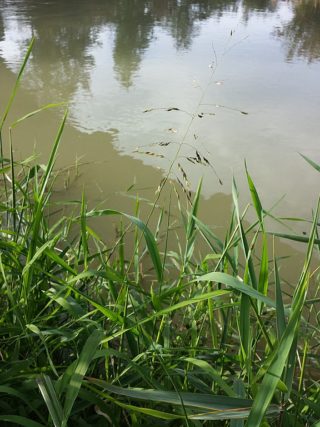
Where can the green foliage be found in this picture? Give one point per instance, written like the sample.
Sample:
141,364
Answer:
88,339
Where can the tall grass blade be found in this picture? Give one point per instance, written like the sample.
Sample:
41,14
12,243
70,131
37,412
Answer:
281,320
13,185
274,372
84,237
52,157
245,244
255,198
50,397
264,271
244,330
190,232
16,85
85,358
279,360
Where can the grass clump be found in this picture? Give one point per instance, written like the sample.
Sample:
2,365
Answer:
86,339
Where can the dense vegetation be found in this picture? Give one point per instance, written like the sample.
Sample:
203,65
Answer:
88,339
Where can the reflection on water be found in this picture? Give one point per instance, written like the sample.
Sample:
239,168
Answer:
302,33
260,5
132,26
67,32
113,59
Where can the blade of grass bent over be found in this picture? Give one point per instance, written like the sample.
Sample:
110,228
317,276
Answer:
39,110
236,284
218,407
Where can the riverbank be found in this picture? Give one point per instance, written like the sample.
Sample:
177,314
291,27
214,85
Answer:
100,334
89,337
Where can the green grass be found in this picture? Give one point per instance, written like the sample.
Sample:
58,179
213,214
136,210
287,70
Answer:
86,339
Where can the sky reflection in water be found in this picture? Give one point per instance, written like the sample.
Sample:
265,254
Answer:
113,60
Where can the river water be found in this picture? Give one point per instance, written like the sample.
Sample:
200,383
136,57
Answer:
154,86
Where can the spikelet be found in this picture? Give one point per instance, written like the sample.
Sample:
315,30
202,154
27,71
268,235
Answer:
150,153
186,191
185,178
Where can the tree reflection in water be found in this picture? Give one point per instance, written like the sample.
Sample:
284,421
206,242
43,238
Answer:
66,31
302,34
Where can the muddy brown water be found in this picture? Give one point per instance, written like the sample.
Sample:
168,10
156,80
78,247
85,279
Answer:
225,80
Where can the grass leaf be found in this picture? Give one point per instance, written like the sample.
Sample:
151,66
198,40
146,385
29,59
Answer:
50,397
85,358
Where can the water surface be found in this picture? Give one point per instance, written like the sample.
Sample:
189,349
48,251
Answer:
240,78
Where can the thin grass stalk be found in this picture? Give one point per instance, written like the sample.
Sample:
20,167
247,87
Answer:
84,236
301,379
13,185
